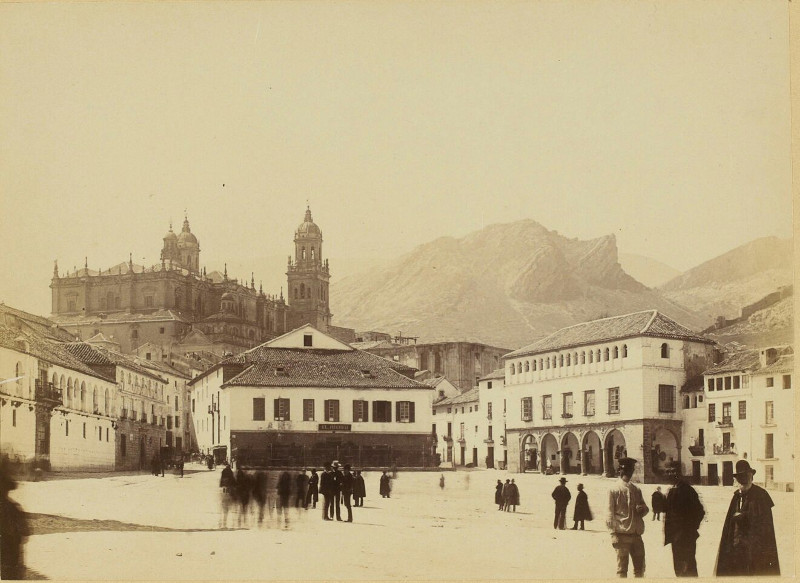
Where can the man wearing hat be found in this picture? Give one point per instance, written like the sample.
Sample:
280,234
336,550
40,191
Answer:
748,543
562,496
683,513
626,508
327,487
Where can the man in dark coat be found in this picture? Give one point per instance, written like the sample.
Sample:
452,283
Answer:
582,511
301,489
513,496
312,495
498,495
348,481
683,514
284,492
385,488
327,487
13,529
748,544
337,496
562,497
657,501
359,489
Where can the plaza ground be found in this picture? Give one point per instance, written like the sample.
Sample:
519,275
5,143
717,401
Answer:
147,527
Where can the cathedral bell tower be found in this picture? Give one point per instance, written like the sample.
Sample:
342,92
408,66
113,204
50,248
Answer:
308,276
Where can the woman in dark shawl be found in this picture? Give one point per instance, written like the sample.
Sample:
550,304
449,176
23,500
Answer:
498,494
582,510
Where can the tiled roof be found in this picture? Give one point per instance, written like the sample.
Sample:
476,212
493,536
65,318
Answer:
318,368
97,355
433,382
470,396
37,324
120,317
745,360
784,364
648,323
371,344
162,367
44,348
498,373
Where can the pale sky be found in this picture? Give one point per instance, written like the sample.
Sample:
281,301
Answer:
665,123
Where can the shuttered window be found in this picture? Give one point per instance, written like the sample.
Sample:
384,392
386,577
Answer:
405,412
360,411
259,409
308,409
382,411
282,410
332,410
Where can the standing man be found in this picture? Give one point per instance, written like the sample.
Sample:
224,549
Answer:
301,487
312,496
347,490
327,488
657,503
683,513
626,508
385,488
748,544
562,497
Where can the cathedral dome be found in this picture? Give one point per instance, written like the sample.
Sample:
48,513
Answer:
186,236
170,236
308,227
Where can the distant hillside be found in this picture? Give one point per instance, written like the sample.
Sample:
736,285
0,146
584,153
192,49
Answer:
649,271
772,325
721,286
505,285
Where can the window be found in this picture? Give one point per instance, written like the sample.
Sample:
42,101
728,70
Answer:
737,382
259,409
332,410
308,409
66,426
613,400
727,383
712,412
588,403
490,433
769,410
527,408
616,352
513,369
281,407
405,412
449,409
742,409
527,366
591,356
14,419
726,413
769,446
770,382
489,411
148,301
547,407
161,330
566,405
84,430
382,411
605,354
99,434
123,444
134,334
787,381
719,383
177,421
360,411
489,385
769,474
710,384
193,406
583,357
461,428
308,340
701,437
686,401
666,399
665,350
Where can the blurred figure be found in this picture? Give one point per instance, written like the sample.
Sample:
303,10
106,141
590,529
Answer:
284,492
359,489
243,490
562,497
260,493
748,544
505,494
301,489
155,465
327,488
312,494
180,465
210,462
498,495
347,490
582,511
227,484
385,488
441,481
657,503
13,529
683,514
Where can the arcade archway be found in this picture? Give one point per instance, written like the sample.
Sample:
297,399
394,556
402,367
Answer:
550,458
615,449
570,450
530,454
592,454
664,450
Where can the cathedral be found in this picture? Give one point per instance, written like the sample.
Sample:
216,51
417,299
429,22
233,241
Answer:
177,308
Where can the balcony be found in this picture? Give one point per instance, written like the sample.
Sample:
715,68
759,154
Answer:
448,438
123,414
133,415
697,450
566,415
724,449
726,422
47,392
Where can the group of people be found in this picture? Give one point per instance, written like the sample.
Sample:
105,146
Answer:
506,495
338,484
582,512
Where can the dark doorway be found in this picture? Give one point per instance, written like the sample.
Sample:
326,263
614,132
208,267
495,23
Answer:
490,458
695,472
142,454
475,457
713,476
727,473
463,454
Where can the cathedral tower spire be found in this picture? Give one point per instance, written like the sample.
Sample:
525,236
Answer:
308,277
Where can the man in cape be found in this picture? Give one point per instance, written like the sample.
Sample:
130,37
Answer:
683,514
748,543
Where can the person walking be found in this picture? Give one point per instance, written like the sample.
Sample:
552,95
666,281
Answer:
312,494
657,501
498,495
13,529
683,514
562,497
506,493
180,465
260,493
284,493
441,482
626,509
243,488
227,484
748,546
327,488
301,490
582,511
385,486
359,489
348,481
513,496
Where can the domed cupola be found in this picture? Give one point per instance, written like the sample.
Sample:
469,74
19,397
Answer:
169,252
186,237
308,278
227,302
308,228
188,248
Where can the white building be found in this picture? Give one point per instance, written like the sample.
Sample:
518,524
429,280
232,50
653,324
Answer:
597,391
176,404
305,398
493,418
749,415
458,429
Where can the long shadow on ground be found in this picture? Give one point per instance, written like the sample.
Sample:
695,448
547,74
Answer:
50,524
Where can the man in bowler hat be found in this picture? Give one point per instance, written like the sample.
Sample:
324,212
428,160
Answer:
562,497
748,544
683,514
626,509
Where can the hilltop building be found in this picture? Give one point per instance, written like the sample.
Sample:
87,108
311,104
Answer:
179,306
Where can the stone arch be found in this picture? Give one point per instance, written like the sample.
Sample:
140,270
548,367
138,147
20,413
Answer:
592,452
529,452
105,402
83,396
549,453
615,447
569,453
665,448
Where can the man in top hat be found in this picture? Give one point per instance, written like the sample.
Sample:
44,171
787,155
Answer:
562,497
327,487
748,543
348,480
683,513
626,509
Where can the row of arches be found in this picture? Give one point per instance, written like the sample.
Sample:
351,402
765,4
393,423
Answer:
570,359
303,292
76,395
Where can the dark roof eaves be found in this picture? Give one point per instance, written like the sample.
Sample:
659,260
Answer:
532,351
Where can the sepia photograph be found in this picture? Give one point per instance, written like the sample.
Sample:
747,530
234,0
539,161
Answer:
502,290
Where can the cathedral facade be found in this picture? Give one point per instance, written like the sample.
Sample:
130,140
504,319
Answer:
184,309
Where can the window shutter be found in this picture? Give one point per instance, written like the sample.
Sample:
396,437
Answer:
327,414
287,416
335,411
276,404
366,410
411,411
397,410
374,410
355,410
